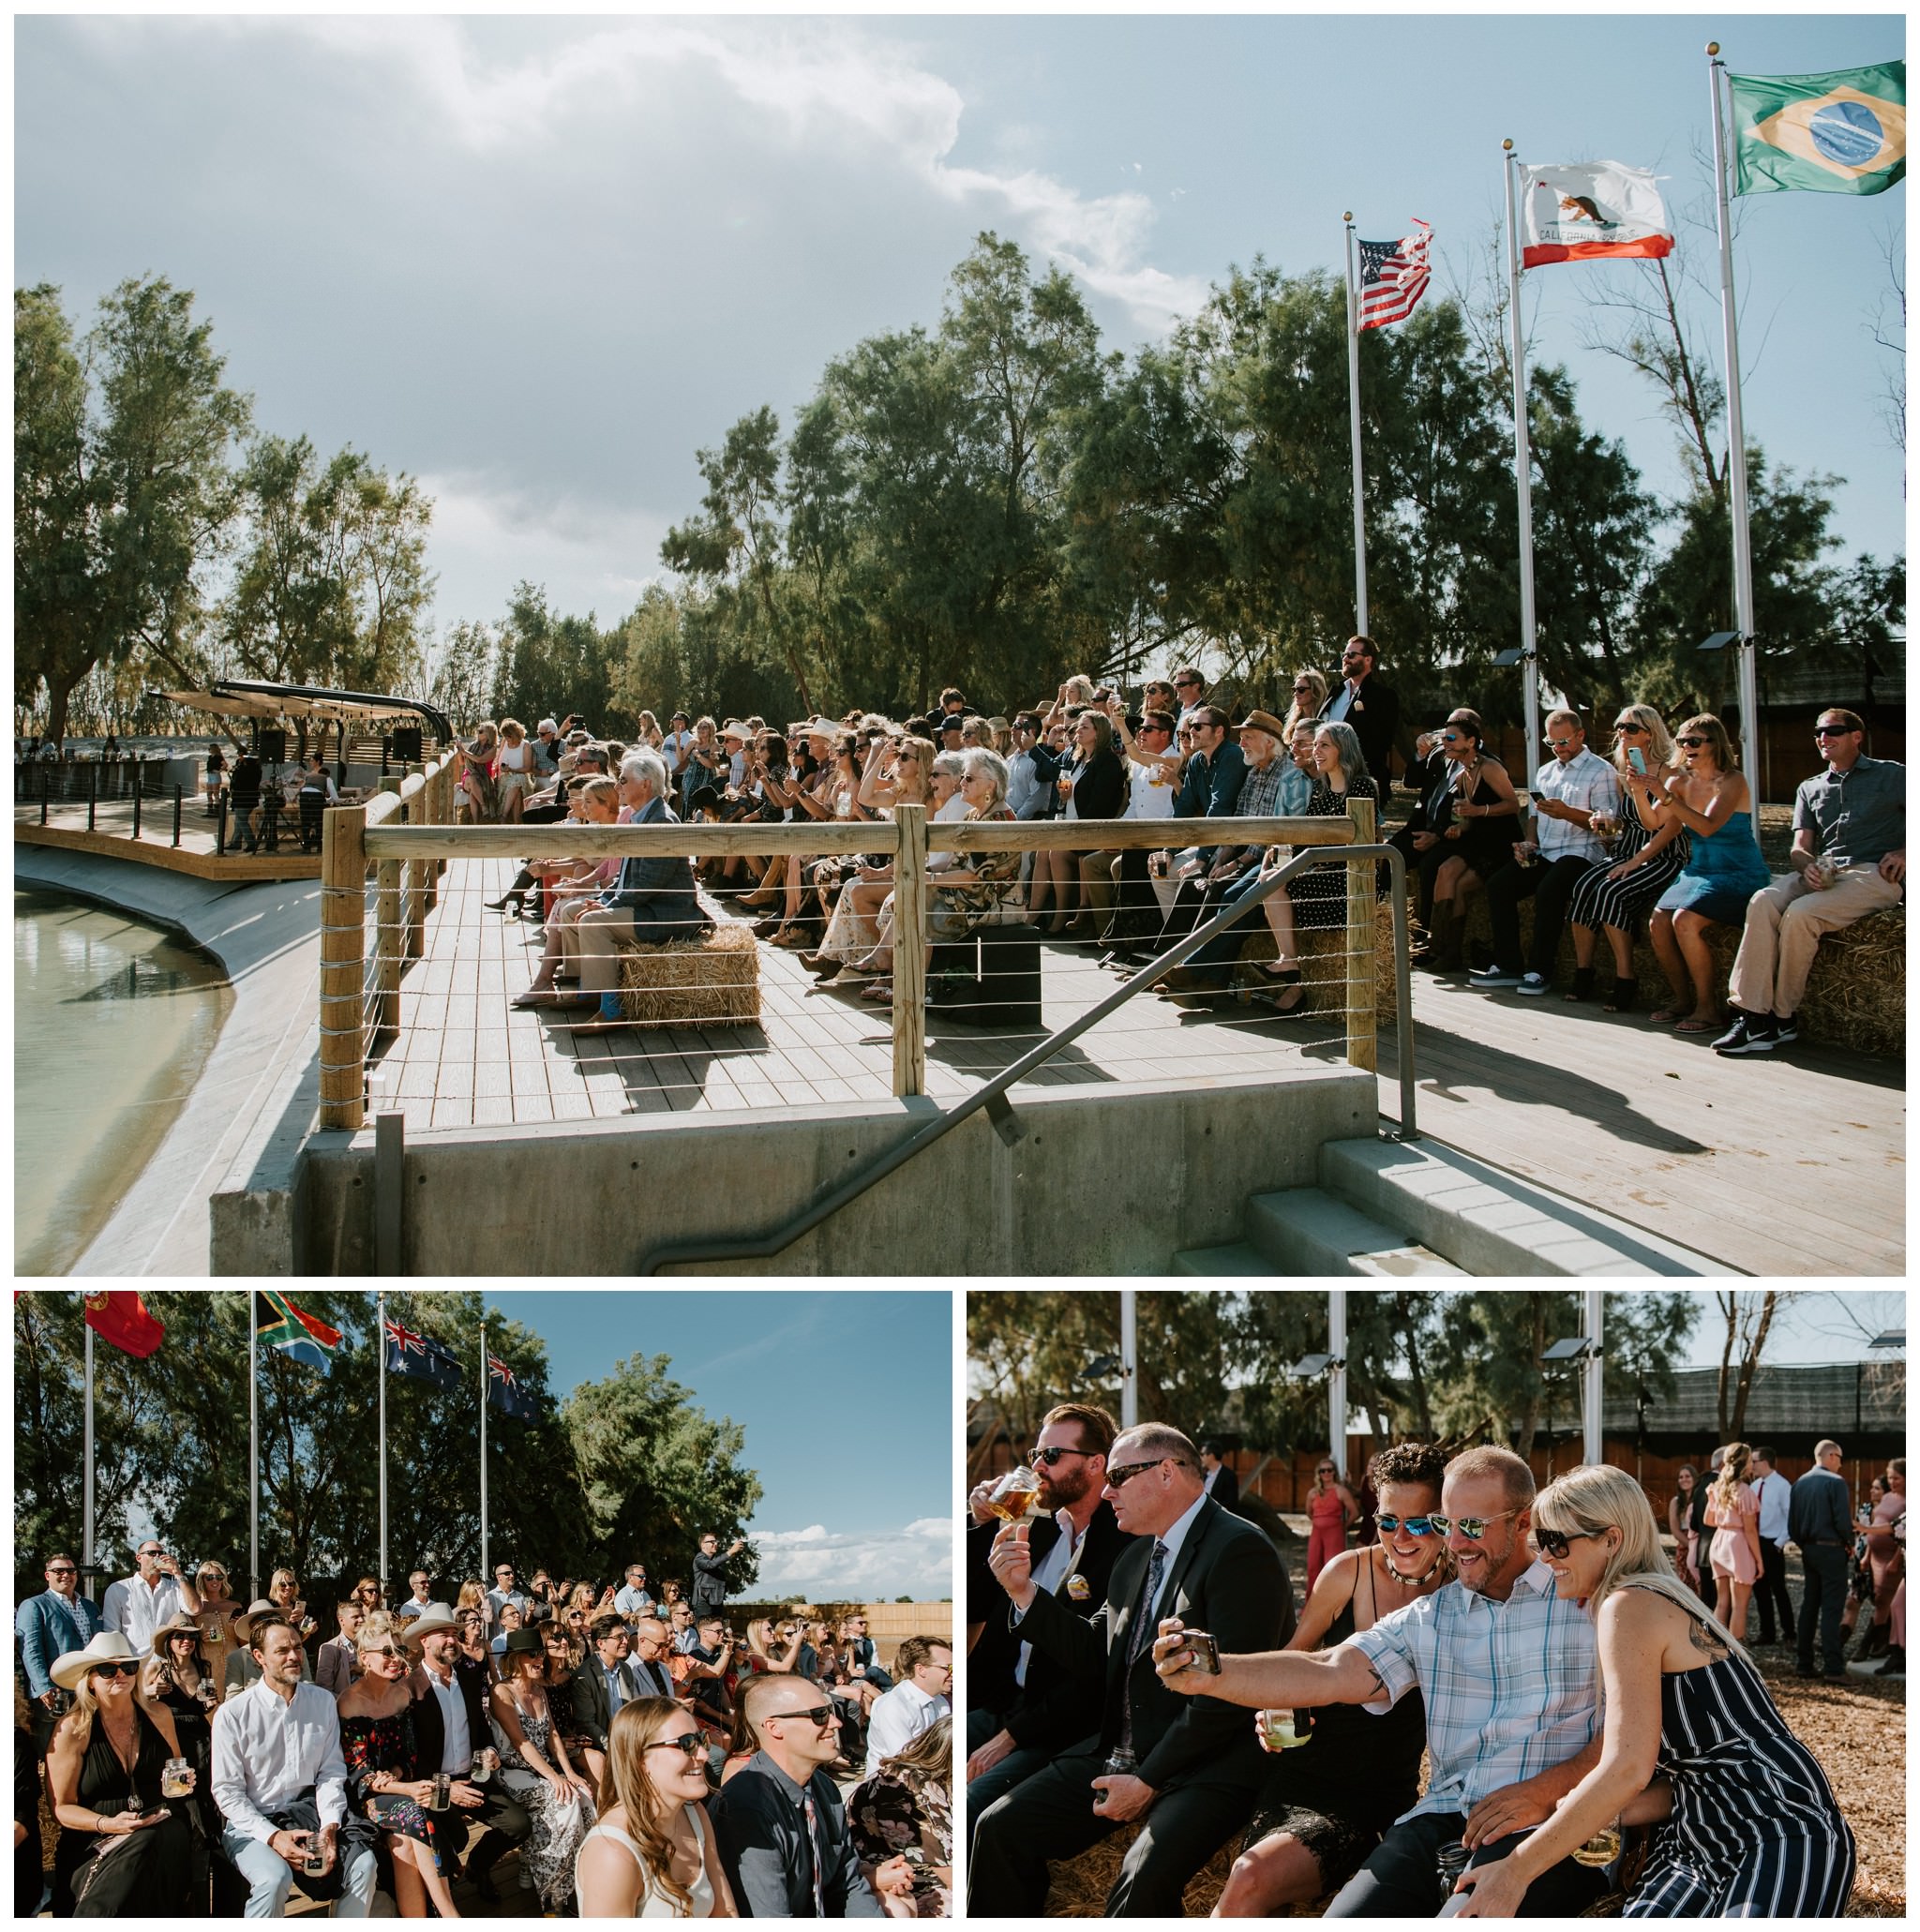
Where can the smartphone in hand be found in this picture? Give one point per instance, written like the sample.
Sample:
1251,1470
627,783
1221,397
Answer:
1637,759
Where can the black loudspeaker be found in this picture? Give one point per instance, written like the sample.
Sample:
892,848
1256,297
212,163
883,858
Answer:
405,744
273,744
991,978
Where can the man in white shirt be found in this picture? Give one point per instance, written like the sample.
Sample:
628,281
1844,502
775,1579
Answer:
922,1695
1568,791
420,1602
1773,1492
138,1605
503,1593
280,1783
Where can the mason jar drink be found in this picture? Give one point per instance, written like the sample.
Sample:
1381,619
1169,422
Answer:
1282,1729
174,1777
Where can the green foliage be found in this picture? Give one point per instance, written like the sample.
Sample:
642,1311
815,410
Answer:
550,665
625,1467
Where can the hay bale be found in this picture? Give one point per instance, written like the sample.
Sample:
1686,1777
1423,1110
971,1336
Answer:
712,980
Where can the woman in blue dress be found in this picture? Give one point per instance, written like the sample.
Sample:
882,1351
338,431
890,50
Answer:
1747,1825
1723,869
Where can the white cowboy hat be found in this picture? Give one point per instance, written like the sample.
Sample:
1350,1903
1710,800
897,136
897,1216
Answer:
105,1647
734,728
435,1618
260,1607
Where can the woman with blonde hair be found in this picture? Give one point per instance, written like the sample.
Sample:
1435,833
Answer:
514,766
1747,1826
480,776
1643,862
905,1811
1732,1508
1709,797
1309,700
898,774
653,1854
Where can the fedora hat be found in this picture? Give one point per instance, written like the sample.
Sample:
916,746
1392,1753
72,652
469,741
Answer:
103,1647
530,1637
435,1618
260,1607
1263,721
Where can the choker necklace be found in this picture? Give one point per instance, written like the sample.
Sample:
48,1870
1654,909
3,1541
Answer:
1387,1557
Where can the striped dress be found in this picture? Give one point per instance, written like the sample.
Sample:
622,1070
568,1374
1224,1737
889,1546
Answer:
1599,901
1755,1832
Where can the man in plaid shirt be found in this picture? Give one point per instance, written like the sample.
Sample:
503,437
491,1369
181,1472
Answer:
1506,1670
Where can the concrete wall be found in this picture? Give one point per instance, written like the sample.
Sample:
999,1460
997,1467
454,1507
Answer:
1102,1180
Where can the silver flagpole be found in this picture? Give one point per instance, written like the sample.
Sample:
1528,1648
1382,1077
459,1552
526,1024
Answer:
483,1571
88,1531
253,1441
379,1310
1524,482
1353,392
1745,667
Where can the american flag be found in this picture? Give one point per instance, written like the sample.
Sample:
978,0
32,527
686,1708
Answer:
1393,277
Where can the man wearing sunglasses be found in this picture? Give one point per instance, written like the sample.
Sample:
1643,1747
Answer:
780,1822
1023,1708
1849,858
1367,703
1196,1765
1505,1670
155,1592
53,1625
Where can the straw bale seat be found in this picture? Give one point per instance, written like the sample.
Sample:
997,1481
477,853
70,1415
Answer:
712,980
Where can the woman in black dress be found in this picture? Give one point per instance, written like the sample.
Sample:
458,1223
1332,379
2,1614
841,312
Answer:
1325,1802
125,1849
1092,786
1473,823
1317,899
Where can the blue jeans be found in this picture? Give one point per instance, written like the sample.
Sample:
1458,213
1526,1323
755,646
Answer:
270,1878
1225,948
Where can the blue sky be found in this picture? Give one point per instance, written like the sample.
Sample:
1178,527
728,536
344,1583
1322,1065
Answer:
539,262
820,1380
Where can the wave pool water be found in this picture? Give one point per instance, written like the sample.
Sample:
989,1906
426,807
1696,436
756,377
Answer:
112,1021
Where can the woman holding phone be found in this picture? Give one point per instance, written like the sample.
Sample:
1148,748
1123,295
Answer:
1723,868
1645,860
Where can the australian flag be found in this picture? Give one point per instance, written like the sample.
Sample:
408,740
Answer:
408,1353
508,1394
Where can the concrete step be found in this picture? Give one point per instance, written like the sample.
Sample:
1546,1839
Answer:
1237,1258
1489,1222
1307,1230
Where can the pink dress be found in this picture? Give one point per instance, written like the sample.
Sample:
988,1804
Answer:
1327,1515
1733,1553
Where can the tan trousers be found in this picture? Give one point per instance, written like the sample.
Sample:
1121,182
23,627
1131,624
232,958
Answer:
589,944
1784,924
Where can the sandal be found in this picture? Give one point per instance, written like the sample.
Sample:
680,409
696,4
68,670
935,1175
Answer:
1582,985
1277,983
1622,998
1693,1026
880,994
1665,1016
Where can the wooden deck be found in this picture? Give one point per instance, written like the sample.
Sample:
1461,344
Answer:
1792,1164
112,838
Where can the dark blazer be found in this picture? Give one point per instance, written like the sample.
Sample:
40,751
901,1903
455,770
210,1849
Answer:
660,894
1100,787
1227,1579
591,1710
1817,1511
430,1728
709,1583
1227,1488
1376,724
1055,1709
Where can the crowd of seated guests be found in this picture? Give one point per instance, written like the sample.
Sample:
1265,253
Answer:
1657,828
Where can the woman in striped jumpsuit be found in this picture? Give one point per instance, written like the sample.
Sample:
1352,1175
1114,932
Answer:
1748,1828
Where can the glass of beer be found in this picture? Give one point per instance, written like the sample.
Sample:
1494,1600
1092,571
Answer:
1016,1498
1283,1730
176,1774
483,1765
441,1784
1603,1848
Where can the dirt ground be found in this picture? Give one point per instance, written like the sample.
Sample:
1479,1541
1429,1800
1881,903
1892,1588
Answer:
1856,1725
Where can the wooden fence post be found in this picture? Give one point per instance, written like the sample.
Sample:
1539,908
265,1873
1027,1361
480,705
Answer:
389,939
910,952
419,812
1361,931
343,966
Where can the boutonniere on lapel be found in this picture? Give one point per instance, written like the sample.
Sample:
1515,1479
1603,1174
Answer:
1360,704
1078,1587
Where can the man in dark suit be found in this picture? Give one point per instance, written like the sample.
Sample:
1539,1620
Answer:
1194,1769
1026,1707
1222,1484
1820,1521
449,1726
650,1666
601,1685
710,1573
1370,706
650,902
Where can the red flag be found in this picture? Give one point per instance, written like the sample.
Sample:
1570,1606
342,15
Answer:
119,1315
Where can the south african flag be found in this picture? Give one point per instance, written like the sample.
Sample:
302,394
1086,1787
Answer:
302,1338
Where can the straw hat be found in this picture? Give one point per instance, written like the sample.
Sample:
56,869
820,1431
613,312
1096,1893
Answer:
734,728
104,1647
435,1618
1264,720
179,1623
260,1607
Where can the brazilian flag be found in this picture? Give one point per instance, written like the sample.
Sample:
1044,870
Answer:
1843,133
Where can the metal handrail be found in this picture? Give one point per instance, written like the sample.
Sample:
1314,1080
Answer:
991,1096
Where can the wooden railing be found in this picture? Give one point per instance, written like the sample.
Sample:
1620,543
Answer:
355,835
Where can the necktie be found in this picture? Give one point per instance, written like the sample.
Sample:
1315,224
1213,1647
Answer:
813,1841
1137,1637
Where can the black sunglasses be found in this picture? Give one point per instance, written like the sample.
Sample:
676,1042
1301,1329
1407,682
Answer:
1628,724
1554,1543
1118,1478
1690,743
689,1744
116,1669
61,1569
1827,731
823,1714
1052,1455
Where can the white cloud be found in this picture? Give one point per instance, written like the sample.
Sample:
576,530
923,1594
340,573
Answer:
916,1561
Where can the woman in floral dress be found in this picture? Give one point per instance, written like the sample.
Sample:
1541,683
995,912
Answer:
534,1767
905,1810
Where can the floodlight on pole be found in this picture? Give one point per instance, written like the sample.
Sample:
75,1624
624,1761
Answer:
1891,1338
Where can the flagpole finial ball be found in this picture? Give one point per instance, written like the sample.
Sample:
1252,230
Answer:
1506,146
1348,216
1713,47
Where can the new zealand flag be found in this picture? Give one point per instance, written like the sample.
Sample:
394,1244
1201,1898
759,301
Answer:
408,1353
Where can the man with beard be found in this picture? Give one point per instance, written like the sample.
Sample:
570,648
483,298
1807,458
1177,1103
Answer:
1026,1707
1506,1667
